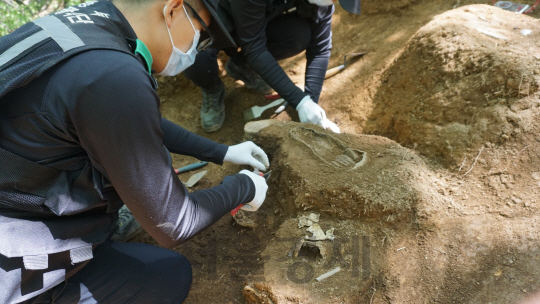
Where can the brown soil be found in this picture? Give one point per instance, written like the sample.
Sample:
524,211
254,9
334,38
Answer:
380,180
468,88
438,205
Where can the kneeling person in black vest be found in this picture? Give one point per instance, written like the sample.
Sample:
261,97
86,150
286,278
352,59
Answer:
81,134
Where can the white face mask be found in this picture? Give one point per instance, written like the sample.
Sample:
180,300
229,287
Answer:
321,2
179,61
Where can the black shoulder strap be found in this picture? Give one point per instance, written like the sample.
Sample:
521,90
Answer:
24,175
24,184
37,46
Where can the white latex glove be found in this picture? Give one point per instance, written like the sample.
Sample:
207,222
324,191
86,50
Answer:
310,112
260,191
247,153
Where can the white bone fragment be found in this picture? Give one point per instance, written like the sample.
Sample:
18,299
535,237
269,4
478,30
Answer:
328,274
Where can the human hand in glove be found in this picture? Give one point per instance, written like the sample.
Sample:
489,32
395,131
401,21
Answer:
310,112
247,153
260,191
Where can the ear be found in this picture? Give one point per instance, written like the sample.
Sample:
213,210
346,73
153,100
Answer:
173,9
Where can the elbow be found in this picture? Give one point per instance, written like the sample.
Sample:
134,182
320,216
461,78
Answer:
163,235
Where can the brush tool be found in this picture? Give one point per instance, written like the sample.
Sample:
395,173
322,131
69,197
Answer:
256,111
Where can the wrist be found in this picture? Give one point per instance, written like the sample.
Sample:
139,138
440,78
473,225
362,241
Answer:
227,155
222,150
303,101
250,188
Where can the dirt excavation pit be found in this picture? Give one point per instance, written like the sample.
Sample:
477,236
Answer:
389,228
453,219
344,199
439,204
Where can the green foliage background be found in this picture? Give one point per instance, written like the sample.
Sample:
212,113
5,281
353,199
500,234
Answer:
19,12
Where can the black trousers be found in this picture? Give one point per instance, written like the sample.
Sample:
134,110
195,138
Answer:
125,273
286,36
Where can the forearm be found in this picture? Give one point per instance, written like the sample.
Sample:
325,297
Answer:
318,53
272,73
315,73
212,204
181,141
180,217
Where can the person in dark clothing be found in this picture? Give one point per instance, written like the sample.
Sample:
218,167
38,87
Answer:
81,134
267,31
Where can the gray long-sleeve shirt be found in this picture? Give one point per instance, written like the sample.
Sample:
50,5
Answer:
101,103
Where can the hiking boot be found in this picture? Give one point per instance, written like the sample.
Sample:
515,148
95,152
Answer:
251,79
127,226
213,108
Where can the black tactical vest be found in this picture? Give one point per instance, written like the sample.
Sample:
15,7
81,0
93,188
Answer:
44,210
274,9
36,46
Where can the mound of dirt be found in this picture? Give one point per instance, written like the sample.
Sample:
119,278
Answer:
467,78
343,175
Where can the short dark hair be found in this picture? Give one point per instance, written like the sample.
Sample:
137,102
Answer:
196,4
